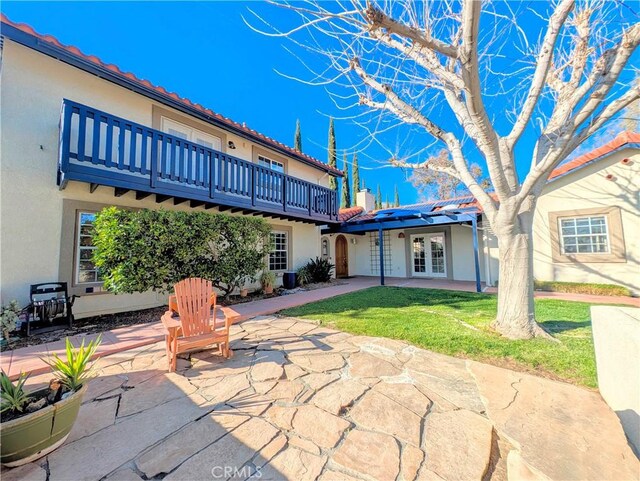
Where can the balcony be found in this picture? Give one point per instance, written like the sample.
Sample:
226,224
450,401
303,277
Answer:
104,150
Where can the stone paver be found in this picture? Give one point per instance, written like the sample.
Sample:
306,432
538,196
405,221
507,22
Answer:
338,395
372,455
324,429
93,417
453,434
302,402
377,412
363,364
545,419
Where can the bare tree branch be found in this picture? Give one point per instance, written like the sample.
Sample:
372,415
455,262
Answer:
543,64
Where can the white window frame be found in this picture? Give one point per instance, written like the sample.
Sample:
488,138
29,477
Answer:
190,134
427,255
269,163
285,250
79,248
562,236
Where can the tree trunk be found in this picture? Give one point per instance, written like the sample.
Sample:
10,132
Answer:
516,312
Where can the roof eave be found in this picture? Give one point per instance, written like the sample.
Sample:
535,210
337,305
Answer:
61,54
628,145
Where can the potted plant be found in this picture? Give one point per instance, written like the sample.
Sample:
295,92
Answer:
36,423
268,280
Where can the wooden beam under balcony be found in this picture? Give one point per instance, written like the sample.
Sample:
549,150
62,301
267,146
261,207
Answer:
154,162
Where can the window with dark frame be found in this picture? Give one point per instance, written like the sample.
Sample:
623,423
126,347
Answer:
584,235
278,257
85,270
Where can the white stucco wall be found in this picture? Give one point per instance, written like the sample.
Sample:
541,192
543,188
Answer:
461,253
33,87
589,188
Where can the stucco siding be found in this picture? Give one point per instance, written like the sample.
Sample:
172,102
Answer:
606,183
459,240
33,87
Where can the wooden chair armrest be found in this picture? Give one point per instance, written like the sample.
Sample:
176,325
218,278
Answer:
230,316
169,323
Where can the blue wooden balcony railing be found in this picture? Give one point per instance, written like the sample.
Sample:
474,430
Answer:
102,149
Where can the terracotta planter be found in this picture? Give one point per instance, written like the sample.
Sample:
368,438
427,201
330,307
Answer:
268,289
30,437
244,292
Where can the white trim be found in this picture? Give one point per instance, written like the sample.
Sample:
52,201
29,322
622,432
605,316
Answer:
79,248
561,235
271,162
191,134
428,255
285,250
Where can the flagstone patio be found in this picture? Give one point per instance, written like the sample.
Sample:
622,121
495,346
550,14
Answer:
302,402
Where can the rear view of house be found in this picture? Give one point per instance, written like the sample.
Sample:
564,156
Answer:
79,134
586,229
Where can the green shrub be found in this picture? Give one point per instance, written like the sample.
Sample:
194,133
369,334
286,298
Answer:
75,371
582,288
13,397
143,250
303,277
8,316
319,270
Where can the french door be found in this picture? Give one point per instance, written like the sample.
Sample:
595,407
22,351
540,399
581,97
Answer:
428,255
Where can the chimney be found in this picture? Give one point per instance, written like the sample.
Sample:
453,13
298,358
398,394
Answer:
366,200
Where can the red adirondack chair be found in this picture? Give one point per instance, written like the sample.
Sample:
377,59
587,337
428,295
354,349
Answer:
195,326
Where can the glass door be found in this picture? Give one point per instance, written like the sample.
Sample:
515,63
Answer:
428,255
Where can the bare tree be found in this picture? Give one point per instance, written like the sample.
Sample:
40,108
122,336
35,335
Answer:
438,185
471,77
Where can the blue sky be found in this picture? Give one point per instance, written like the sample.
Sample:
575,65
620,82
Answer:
205,52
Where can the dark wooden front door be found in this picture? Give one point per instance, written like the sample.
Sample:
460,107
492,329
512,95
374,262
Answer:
342,257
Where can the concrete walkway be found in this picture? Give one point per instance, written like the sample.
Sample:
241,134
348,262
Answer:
28,359
301,402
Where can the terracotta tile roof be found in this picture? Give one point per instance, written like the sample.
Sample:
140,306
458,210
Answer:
115,70
349,213
462,202
620,141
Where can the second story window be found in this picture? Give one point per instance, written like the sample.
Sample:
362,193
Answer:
186,132
272,164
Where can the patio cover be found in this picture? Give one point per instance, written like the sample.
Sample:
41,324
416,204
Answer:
406,218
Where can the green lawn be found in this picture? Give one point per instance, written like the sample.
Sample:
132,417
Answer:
457,323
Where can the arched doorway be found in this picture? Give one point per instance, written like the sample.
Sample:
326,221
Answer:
342,257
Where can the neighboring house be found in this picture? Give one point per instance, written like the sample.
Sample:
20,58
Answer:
79,134
586,228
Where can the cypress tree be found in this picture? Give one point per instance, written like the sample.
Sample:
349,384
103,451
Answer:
386,202
346,186
379,198
356,179
396,198
333,183
297,142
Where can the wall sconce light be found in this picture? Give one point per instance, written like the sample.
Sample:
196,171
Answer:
354,241
401,235
626,161
609,177
232,146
